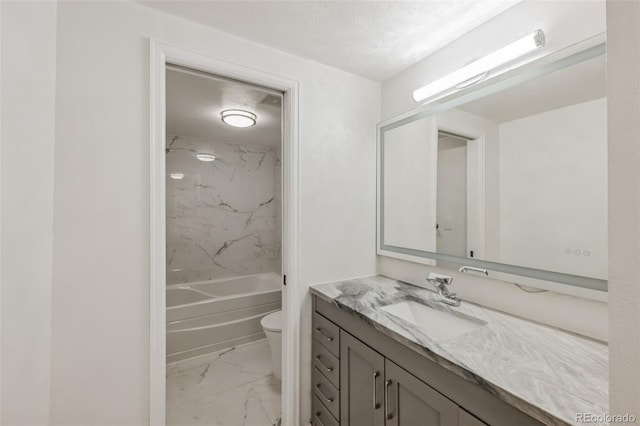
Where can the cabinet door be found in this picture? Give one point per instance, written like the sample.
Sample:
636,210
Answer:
411,402
361,383
467,419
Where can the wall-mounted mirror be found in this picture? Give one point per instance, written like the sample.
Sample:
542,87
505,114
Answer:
510,177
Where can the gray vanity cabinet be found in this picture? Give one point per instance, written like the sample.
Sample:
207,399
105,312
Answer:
376,392
325,373
361,383
353,378
466,419
411,402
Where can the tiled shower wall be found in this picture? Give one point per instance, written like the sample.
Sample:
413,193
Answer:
223,217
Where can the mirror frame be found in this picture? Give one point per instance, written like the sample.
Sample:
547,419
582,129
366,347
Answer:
572,55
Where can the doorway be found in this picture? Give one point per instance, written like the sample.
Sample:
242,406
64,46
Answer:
451,203
223,250
163,273
460,191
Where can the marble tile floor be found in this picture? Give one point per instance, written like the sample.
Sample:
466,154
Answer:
233,387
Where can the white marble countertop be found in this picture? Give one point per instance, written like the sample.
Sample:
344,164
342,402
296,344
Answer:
547,373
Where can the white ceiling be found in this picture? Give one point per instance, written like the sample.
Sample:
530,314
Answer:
373,39
195,100
579,83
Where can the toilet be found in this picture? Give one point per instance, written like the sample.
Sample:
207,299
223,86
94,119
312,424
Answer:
272,326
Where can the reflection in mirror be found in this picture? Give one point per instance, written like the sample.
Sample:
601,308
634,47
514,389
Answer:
410,186
451,203
517,177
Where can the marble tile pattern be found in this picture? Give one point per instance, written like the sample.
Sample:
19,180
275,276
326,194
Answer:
233,387
223,217
547,373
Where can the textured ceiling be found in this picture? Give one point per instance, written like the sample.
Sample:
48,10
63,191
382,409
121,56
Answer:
374,39
195,100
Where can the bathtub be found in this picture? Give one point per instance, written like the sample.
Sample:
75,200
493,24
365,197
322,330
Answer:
209,316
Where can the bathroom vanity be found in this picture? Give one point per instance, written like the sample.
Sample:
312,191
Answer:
389,353
483,181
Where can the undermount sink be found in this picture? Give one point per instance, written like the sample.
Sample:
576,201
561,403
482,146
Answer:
435,323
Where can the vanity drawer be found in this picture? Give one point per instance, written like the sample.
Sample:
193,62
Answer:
321,414
326,363
328,394
327,333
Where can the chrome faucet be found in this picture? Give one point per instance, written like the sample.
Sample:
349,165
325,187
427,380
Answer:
440,282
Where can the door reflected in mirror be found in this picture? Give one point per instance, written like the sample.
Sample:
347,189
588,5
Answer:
451,198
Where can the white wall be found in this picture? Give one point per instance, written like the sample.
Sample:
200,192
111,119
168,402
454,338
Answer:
623,89
101,248
409,185
28,92
558,20
553,187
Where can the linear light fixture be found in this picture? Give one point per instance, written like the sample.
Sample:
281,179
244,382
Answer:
479,70
238,118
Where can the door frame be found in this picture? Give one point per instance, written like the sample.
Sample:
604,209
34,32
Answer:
476,190
161,54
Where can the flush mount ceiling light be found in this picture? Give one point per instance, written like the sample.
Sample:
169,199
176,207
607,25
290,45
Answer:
176,176
479,70
205,157
238,118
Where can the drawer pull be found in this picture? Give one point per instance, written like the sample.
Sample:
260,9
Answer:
387,414
318,413
376,404
324,395
325,336
327,367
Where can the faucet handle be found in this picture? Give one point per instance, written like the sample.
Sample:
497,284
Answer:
432,277
451,299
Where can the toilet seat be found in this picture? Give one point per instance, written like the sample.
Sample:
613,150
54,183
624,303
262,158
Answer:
272,322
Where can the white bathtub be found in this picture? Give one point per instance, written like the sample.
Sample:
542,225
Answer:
209,316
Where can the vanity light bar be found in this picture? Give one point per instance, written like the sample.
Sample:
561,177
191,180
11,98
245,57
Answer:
479,70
